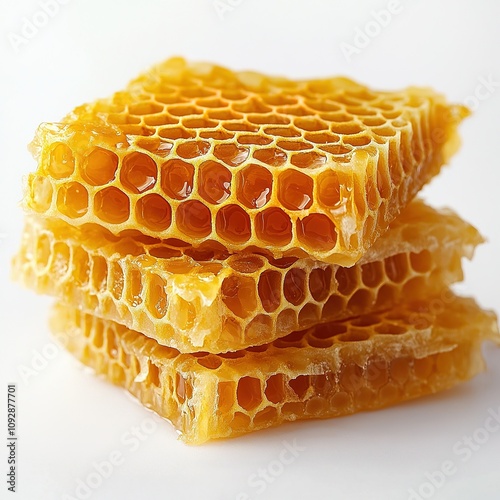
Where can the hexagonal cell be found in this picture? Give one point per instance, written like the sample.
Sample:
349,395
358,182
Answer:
184,314
42,252
175,133
134,287
41,192
99,167
226,395
383,180
309,315
239,295
286,321
60,260
231,154
194,219
310,123
177,178
154,212
386,296
99,274
273,226
112,205
421,262
331,308
155,145
138,172
117,280
294,286
352,377
249,393
233,224
396,267
257,328
271,156
275,388
156,296
317,231
240,422
81,266
211,362
328,330
293,145
192,149
360,301
269,289
263,417
61,161
300,385
253,186
258,140
295,190
72,200
329,189
183,388
214,182
372,274
247,264
320,280
311,159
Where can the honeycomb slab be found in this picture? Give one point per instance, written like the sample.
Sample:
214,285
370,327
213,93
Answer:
328,370
193,300
197,153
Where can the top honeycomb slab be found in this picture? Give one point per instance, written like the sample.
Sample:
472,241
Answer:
197,153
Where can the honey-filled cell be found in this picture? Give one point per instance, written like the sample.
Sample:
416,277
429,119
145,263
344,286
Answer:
254,186
317,231
112,205
72,200
138,172
273,226
194,219
231,154
233,224
329,189
61,162
269,289
154,212
99,166
177,179
295,190
214,182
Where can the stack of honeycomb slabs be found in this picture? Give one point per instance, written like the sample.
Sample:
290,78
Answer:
239,250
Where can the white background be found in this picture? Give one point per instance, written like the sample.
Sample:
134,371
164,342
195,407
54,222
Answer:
67,419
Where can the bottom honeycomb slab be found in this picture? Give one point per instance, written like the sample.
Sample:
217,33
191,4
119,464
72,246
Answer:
326,371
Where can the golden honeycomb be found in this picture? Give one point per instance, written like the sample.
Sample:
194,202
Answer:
197,153
329,370
193,300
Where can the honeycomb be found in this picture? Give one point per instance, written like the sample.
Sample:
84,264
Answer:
193,300
328,370
197,153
